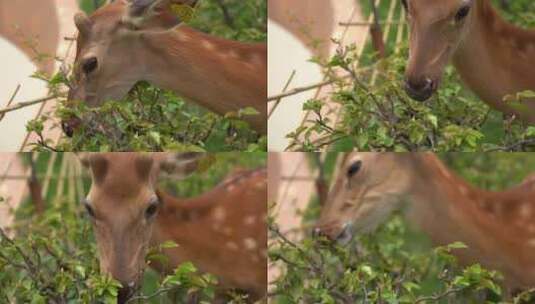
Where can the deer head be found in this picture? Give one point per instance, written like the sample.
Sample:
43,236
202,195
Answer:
122,205
437,27
109,59
368,188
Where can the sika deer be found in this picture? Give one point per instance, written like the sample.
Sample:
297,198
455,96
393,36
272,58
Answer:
494,58
497,227
126,42
222,232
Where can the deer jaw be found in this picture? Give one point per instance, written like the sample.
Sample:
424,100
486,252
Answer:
436,30
367,190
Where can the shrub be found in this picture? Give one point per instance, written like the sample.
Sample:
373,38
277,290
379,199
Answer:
377,115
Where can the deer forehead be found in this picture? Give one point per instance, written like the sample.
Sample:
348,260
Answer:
435,10
122,173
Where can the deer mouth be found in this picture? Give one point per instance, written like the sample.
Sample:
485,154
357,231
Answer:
70,125
342,236
421,91
126,293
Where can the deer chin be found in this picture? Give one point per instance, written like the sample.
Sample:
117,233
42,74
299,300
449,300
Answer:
70,125
346,234
369,219
422,95
126,293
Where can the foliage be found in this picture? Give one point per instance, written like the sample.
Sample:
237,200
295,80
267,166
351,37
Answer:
396,263
52,258
377,115
151,119
492,171
51,261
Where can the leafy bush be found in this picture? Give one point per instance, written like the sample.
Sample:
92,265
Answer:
52,257
377,115
396,263
151,119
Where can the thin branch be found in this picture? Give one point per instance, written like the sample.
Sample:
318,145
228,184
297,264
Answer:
24,104
278,101
146,298
11,100
438,297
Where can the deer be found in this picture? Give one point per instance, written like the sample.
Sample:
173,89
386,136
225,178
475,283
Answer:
125,42
498,228
222,232
309,21
492,56
37,37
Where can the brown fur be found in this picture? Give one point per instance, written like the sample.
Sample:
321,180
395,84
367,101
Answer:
497,227
205,242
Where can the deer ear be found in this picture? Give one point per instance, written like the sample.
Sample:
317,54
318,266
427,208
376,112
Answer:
155,14
83,23
181,165
96,163
84,158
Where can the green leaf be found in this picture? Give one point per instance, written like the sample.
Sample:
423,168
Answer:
168,245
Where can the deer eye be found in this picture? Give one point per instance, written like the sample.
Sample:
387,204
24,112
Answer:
88,208
152,208
90,65
354,169
346,206
462,13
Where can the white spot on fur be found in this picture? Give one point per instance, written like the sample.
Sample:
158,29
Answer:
219,214
232,246
525,211
216,226
463,190
233,54
531,242
249,220
183,37
250,244
208,45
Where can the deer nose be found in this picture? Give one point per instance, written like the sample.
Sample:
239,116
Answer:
70,125
420,89
334,233
126,293
316,233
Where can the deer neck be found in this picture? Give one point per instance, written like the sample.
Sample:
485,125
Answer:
447,208
218,74
180,218
495,58
497,227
